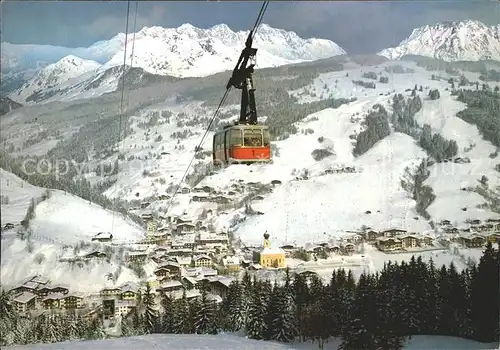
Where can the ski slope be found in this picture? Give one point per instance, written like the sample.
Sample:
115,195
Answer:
60,224
19,195
232,342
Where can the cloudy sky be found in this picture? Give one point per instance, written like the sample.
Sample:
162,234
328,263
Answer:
357,26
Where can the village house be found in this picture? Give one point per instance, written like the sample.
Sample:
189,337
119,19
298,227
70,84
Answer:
173,268
213,240
232,263
145,205
170,286
110,292
348,248
472,241
409,241
129,291
200,198
184,252
95,255
137,256
184,242
220,286
370,236
147,216
393,232
182,261
335,249
185,228
188,282
387,244
202,261
24,302
73,300
53,301
493,237
103,237
124,307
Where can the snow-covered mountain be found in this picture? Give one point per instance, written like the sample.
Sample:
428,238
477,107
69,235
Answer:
451,41
188,51
185,51
55,74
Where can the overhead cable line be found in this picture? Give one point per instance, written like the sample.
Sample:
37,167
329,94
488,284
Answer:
252,34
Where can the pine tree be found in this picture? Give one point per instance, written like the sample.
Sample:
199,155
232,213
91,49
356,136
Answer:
167,322
300,295
151,313
257,310
484,297
182,315
235,305
204,322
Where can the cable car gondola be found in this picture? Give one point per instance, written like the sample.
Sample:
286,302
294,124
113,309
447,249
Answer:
246,141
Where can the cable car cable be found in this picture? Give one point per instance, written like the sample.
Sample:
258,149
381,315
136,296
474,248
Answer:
253,32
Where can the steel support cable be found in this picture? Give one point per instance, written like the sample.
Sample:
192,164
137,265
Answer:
122,98
253,31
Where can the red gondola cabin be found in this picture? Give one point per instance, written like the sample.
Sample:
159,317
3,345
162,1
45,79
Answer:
241,143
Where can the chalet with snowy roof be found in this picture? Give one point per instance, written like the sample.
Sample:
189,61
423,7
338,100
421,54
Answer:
189,282
73,300
124,307
145,205
370,236
387,244
170,286
472,241
103,237
129,291
185,228
137,256
393,232
271,257
147,216
409,241
181,260
232,263
50,289
173,268
24,302
186,241
201,198
110,292
220,286
95,255
202,261
213,240
493,237
348,248
53,301
184,252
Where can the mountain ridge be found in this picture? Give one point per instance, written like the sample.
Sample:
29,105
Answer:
450,41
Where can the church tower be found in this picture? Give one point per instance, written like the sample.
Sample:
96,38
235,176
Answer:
267,242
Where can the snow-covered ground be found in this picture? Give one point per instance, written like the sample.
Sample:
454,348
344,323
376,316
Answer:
231,342
325,206
60,223
19,194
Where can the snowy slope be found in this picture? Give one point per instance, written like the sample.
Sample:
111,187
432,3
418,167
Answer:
451,41
188,51
332,203
19,195
61,222
52,76
231,342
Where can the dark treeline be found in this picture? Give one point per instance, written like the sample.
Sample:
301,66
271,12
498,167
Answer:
39,172
377,312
